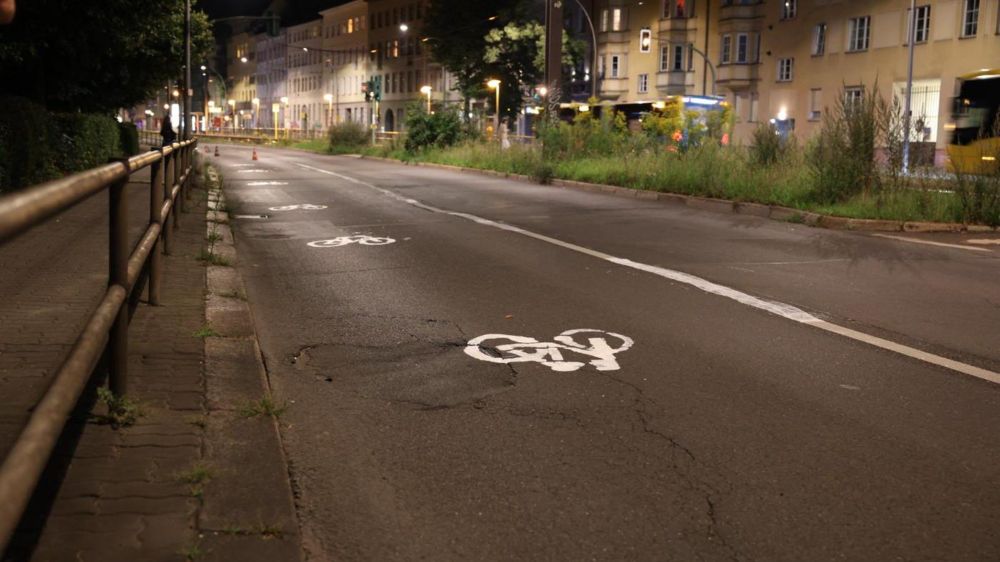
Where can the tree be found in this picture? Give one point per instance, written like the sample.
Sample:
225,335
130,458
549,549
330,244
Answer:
456,36
516,53
97,56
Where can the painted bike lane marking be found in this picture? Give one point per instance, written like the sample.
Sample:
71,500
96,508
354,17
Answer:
360,239
783,310
505,348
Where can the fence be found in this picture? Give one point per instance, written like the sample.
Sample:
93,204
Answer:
170,174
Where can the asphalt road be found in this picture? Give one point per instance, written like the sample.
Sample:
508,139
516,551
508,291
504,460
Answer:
730,429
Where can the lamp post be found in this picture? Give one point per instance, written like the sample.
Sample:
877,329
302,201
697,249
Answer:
232,110
275,107
284,100
329,109
426,90
593,63
494,84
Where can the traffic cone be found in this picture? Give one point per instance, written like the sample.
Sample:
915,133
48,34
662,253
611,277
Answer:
255,154
216,150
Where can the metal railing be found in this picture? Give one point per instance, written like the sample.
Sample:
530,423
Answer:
170,174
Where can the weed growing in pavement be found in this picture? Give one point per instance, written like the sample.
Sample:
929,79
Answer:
211,258
263,530
122,411
192,552
206,331
263,407
196,477
201,422
237,295
213,237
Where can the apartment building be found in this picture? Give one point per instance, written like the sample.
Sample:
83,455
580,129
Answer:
241,67
305,61
398,55
272,78
345,49
788,60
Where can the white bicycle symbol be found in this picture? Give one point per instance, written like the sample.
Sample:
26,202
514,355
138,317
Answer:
356,239
503,348
303,207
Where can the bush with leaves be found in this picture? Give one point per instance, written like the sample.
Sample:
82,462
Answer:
435,130
348,137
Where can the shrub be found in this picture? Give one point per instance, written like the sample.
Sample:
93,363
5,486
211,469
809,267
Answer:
85,140
439,129
347,137
26,134
129,138
766,147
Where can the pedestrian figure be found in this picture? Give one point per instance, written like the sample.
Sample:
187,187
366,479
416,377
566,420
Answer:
167,131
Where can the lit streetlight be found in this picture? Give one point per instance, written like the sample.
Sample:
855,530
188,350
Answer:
243,59
426,90
494,84
329,111
403,27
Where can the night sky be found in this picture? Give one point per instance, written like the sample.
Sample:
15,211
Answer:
294,11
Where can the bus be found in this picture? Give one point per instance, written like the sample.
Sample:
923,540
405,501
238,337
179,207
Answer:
974,145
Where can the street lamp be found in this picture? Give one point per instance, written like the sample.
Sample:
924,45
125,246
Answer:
243,59
426,90
329,112
284,100
275,107
494,84
403,27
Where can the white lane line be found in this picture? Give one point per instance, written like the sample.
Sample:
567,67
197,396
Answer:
984,241
778,308
931,243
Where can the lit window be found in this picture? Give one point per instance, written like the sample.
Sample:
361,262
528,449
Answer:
616,19
645,40
788,8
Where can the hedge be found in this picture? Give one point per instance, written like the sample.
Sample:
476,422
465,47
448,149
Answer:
37,145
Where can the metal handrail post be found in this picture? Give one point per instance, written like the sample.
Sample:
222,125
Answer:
168,174
118,254
178,170
155,208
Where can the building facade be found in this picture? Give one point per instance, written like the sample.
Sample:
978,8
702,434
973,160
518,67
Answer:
241,67
789,60
347,68
272,79
305,76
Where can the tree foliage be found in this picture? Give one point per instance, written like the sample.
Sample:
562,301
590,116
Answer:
97,56
516,53
456,36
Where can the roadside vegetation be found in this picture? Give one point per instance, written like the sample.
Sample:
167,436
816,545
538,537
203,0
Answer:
851,168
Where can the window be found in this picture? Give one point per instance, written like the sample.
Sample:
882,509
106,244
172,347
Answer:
616,19
785,70
853,95
615,66
815,100
923,27
970,18
754,103
859,32
643,83
645,40
788,8
727,48
677,8
677,62
664,58
742,48
819,39
604,20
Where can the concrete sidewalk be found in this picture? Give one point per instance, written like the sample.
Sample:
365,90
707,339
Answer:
165,487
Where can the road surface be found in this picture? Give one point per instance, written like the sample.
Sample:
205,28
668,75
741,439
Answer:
743,389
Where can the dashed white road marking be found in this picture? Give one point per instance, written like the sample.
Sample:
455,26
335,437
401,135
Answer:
256,183
984,241
777,308
931,243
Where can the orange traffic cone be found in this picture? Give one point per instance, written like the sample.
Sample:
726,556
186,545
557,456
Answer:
216,150
255,153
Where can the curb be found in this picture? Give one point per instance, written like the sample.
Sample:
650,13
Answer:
248,512
773,212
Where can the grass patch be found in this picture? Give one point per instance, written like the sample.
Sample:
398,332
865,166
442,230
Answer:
122,411
209,257
206,331
264,407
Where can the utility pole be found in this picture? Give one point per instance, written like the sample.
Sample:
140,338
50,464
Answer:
910,39
188,92
553,47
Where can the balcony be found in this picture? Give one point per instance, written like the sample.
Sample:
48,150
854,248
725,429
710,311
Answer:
674,25
674,82
612,88
737,76
737,11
